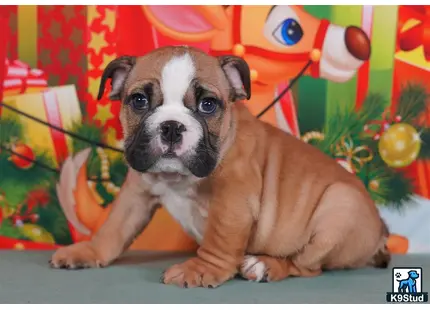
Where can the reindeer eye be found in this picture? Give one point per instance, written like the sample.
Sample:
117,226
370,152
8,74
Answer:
283,27
288,32
139,102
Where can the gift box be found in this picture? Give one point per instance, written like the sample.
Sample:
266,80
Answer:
56,106
20,78
412,65
375,75
72,44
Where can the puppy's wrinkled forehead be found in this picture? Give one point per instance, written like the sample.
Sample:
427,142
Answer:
176,69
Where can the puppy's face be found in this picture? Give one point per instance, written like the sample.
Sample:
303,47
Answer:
176,107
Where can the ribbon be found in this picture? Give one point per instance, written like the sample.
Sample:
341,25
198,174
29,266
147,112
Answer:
355,156
3,44
382,125
417,35
20,78
53,116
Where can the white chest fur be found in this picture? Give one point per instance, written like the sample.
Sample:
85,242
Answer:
181,203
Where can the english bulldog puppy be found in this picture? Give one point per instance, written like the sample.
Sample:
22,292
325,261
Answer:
260,202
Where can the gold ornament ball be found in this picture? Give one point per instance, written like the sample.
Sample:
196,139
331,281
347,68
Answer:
399,145
374,185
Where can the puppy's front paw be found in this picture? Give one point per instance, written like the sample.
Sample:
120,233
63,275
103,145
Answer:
76,256
196,273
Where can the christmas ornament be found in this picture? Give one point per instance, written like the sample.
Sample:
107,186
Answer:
355,157
374,185
24,156
399,145
36,233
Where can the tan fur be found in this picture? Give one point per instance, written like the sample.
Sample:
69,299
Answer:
271,196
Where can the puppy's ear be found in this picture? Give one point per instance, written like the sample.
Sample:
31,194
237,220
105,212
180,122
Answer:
117,70
237,71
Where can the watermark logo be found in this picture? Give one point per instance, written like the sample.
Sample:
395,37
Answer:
407,286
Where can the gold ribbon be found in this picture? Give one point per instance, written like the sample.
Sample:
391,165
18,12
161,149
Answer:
355,156
313,135
27,34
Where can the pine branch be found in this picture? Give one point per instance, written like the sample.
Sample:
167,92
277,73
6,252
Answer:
118,171
373,107
412,102
86,130
346,121
394,189
7,229
9,127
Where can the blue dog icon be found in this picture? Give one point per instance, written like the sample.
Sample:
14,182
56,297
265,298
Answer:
410,283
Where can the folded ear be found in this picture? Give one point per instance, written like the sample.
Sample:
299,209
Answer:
237,71
187,23
117,70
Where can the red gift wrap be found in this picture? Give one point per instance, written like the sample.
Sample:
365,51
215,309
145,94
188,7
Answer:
412,65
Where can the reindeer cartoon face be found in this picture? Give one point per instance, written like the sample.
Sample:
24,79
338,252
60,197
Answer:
276,41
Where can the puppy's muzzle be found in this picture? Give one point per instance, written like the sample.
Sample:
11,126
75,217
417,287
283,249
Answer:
171,132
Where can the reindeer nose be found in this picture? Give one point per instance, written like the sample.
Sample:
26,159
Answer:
357,43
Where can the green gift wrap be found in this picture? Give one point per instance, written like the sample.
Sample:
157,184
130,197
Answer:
375,75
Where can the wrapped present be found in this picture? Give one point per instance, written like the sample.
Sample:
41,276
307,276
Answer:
412,65
20,78
57,106
375,75
72,44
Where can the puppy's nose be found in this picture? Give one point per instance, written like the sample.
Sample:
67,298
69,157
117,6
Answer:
171,131
357,43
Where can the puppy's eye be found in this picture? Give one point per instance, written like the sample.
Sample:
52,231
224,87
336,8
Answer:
139,102
208,106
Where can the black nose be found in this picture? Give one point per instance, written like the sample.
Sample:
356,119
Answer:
171,131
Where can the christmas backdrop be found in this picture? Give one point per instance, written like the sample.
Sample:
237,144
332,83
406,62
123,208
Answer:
61,163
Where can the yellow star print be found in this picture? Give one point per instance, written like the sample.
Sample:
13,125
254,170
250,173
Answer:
93,86
97,41
107,59
104,113
92,12
110,19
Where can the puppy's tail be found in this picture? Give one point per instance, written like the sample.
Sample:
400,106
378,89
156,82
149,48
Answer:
382,257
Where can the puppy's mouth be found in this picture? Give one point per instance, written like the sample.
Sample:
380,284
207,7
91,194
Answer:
170,177
169,154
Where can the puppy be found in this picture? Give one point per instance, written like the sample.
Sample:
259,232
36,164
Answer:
259,201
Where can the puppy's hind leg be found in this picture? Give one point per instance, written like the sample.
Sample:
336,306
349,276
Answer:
346,231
